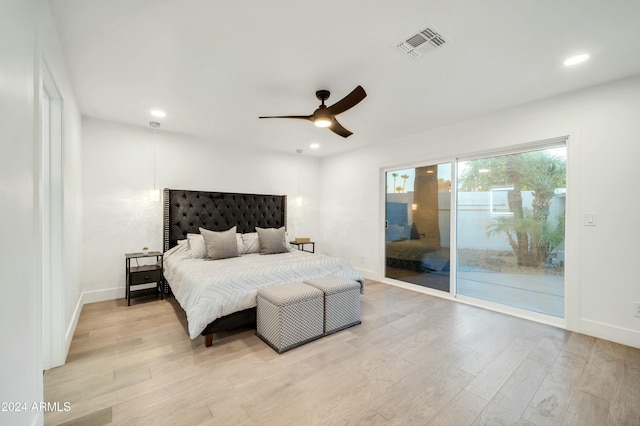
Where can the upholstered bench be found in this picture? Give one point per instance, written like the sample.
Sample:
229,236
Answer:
289,315
341,302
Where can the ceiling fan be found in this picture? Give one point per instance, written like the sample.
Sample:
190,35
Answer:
325,116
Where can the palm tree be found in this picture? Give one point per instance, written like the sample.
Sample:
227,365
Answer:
395,175
528,231
404,181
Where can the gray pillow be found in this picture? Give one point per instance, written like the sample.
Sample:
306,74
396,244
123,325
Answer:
220,245
272,240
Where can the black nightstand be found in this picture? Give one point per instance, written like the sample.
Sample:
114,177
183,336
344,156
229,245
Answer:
301,246
144,274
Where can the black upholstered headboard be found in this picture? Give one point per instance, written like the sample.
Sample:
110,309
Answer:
186,211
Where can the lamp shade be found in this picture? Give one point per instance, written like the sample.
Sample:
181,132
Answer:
154,195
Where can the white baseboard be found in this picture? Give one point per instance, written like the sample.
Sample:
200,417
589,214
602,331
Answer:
101,295
86,297
73,324
610,332
368,274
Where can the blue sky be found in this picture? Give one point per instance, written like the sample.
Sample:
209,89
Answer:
444,172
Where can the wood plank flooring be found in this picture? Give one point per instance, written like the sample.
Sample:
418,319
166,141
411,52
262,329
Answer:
415,359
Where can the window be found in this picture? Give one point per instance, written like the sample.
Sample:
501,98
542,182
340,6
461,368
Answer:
499,201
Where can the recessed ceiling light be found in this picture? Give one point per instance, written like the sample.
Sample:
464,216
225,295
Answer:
158,113
576,59
314,146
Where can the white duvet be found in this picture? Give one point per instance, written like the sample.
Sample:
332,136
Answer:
210,289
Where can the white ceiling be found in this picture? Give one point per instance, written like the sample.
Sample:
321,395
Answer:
216,66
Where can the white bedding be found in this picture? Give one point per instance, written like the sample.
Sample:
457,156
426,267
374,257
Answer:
210,289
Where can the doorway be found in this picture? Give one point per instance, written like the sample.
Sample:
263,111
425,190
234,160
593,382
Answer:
490,228
51,222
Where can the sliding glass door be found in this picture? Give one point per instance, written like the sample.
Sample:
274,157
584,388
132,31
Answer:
418,204
509,228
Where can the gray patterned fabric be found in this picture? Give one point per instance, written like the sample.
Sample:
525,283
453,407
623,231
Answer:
220,245
289,315
341,302
272,240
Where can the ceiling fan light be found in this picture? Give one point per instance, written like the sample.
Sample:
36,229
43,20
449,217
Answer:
322,122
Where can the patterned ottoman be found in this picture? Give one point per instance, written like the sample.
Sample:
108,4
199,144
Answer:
289,315
341,302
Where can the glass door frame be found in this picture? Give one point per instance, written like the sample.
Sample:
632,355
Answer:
382,265
453,294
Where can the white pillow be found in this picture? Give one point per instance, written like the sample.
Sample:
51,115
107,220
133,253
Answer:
197,248
181,242
251,242
240,244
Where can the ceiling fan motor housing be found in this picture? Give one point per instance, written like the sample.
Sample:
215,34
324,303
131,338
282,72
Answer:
323,95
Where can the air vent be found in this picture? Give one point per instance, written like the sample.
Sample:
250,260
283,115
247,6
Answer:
423,42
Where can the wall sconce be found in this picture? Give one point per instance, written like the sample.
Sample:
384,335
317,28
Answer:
154,195
414,207
299,201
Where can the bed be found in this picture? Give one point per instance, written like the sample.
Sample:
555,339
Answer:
220,295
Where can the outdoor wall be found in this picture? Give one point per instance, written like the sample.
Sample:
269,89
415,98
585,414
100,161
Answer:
603,151
118,174
473,219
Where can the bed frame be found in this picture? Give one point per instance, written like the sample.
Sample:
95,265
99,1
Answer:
185,211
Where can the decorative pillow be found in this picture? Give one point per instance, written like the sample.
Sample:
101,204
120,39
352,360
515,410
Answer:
251,242
196,246
272,240
220,245
240,244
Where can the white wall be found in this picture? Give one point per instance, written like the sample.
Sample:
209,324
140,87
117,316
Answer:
26,36
49,52
118,173
19,364
603,177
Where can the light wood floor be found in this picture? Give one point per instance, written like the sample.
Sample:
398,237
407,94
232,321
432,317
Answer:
415,359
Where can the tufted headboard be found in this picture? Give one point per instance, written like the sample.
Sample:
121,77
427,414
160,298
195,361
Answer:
186,211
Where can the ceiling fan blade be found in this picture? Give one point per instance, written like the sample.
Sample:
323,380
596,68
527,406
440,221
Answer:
302,117
338,129
349,101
